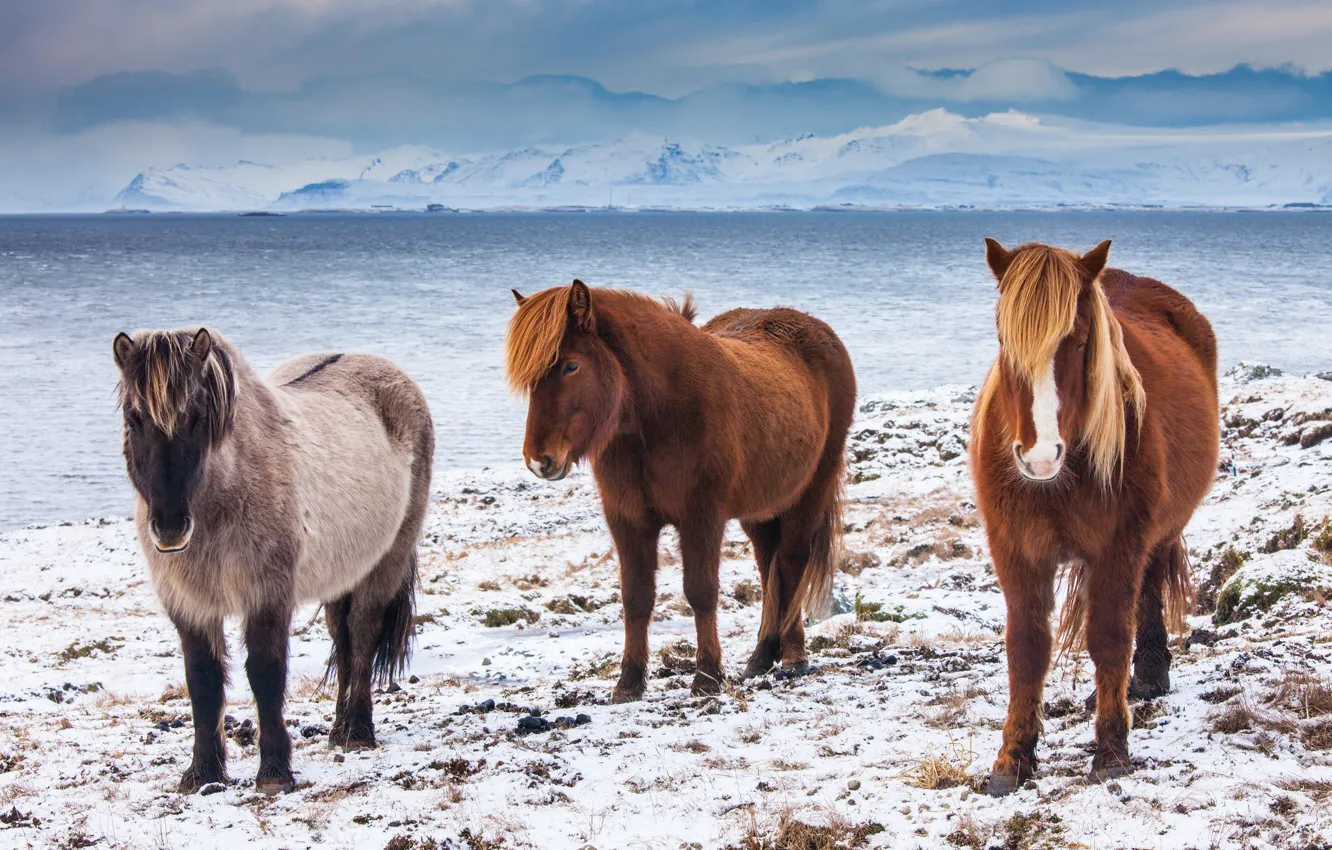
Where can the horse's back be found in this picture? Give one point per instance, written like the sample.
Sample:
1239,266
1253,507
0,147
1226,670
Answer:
1145,301
789,395
1163,331
363,444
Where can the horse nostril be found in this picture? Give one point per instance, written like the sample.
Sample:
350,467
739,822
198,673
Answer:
1059,452
547,464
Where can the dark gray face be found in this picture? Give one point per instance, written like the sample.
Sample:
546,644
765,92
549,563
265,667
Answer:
189,387
166,471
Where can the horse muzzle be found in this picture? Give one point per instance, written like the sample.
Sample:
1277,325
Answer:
169,541
548,468
1039,465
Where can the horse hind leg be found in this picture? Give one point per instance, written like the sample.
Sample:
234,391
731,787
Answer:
807,560
765,537
1151,655
339,659
380,625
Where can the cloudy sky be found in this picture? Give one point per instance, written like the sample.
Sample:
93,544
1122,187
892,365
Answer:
663,46
121,84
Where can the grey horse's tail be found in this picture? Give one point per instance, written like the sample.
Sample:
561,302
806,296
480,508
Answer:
397,631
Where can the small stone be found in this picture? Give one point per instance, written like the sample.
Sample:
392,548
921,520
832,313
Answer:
853,785
1114,788
212,788
162,725
582,720
414,680
339,758
313,730
485,662
394,688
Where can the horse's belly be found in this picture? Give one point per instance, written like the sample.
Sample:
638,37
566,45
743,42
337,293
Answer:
351,517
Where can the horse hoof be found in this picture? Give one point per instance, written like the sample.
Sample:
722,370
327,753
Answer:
352,738
794,670
274,781
706,686
1114,771
193,780
623,695
1001,784
756,669
1145,689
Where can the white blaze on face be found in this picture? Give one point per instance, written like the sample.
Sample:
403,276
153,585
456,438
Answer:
1042,462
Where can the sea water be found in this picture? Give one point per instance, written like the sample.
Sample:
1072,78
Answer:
908,292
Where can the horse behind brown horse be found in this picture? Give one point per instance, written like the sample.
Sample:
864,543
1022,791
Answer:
745,418
1094,438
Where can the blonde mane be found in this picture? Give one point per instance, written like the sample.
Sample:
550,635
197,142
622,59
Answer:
156,381
1038,304
532,344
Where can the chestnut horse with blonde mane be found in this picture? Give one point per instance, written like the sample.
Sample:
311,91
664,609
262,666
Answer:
744,418
1094,438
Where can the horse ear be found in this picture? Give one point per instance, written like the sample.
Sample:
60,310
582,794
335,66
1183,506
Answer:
997,257
202,344
1093,261
518,297
121,348
580,306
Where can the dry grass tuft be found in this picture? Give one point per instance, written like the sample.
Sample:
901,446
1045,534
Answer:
1242,715
1303,692
938,771
789,833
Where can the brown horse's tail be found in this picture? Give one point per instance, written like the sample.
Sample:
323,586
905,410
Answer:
1177,597
1178,587
398,630
814,595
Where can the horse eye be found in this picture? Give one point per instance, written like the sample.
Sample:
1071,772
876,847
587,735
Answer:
132,422
569,368
1081,346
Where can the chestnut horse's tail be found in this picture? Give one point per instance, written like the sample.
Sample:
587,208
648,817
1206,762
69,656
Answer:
814,595
1176,595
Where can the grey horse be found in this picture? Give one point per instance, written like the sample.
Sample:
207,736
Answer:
256,495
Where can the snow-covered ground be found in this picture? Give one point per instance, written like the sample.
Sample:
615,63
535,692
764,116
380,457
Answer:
879,747
934,159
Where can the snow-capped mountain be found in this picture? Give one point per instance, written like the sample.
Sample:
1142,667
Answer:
935,158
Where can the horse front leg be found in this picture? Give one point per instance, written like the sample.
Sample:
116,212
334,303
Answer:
1029,595
1113,585
636,545
266,636
700,550
204,648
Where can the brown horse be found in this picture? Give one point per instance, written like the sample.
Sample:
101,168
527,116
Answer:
744,418
1094,438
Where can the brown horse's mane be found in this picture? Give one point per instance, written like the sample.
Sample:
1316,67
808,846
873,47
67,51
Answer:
1038,304
532,345
156,380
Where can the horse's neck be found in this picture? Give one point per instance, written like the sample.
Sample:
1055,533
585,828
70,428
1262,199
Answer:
650,360
245,451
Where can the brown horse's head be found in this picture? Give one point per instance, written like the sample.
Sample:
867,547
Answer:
574,383
178,394
1063,373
